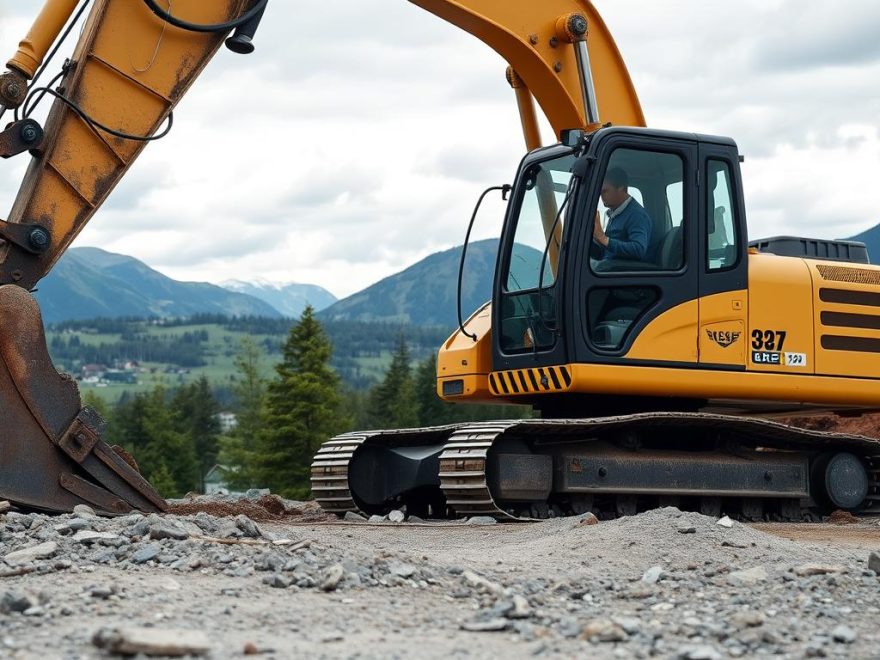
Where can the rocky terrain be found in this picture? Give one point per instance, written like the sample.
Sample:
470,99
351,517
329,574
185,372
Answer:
662,584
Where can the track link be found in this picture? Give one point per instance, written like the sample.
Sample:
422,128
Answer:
330,473
461,454
463,471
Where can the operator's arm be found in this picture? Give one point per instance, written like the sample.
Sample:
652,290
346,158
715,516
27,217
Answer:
632,238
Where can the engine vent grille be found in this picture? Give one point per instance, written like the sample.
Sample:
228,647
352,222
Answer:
849,275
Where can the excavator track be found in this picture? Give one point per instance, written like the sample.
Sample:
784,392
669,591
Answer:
346,466
534,469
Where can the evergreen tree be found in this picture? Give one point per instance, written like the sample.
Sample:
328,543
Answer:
163,481
432,409
196,411
238,447
393,401
147,427
302,411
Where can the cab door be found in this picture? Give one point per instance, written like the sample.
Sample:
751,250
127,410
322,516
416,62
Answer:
641,307
723,260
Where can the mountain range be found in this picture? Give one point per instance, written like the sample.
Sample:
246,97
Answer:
89,283
289,299
871,239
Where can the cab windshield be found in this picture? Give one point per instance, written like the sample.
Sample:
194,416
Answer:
528,300
540,226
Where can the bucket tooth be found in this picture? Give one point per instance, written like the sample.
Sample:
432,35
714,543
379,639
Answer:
52,456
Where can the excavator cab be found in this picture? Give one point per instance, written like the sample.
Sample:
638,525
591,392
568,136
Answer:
560,298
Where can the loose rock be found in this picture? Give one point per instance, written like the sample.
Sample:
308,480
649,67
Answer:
748,577
805,570
588,519
603,630
27,555
652,575
161,531
874,562
396,516
152,641
492,625
145,554
844,634
332,577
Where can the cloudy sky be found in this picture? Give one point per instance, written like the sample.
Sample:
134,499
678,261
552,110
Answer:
357,138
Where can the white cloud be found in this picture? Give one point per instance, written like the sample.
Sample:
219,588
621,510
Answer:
358,137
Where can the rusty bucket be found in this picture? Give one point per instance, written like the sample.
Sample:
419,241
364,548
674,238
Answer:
51,453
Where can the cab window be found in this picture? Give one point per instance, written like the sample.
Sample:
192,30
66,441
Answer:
640,213
721,251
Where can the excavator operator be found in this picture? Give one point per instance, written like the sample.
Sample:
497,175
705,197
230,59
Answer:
627,233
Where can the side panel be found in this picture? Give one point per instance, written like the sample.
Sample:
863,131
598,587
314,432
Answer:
669,337
752,390
847,318
463,365
723,339
780,329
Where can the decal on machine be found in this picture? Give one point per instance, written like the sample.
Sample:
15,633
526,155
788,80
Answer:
766,357
767,348
723,338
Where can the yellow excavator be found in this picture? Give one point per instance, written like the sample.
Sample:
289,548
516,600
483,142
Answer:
654,367
634,362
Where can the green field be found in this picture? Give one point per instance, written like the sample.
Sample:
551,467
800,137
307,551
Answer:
356,366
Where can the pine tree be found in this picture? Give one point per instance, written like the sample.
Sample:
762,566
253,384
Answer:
238,447
393,401
163,481
149,429
432,409
302,411
196,411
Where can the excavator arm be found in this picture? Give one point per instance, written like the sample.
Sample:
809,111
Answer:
131,66
129,70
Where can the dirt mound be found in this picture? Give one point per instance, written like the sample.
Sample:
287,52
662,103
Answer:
867,425
268,508
843,518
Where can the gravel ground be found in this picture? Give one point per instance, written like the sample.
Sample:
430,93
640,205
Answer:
662,584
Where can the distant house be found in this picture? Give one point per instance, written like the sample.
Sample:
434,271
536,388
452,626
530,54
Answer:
116,376
93,371
215,482
227,420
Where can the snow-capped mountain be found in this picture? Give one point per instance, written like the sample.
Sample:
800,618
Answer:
289,299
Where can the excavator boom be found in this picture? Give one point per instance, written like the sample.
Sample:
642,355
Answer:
537,40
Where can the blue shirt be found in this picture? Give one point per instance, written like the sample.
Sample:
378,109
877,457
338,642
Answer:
628,232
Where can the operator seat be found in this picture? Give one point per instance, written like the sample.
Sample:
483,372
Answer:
671,255
658,233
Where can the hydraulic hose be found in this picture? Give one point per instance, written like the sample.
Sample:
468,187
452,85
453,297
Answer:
199,27
505,190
